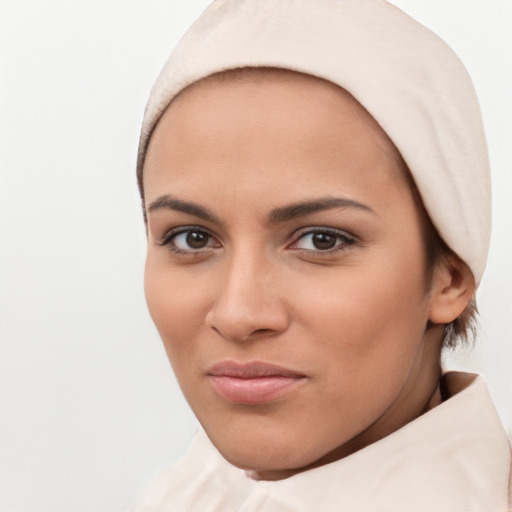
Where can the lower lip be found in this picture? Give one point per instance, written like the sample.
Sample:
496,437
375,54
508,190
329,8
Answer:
257,390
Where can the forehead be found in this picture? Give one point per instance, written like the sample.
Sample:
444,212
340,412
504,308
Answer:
287,92
308,88
261,119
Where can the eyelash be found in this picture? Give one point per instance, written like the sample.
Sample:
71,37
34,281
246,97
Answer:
168,238
345,240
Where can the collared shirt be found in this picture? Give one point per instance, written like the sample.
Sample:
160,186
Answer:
454,458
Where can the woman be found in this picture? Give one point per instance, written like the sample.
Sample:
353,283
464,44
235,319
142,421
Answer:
315,185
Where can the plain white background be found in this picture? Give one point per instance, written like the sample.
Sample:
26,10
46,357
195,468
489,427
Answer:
89,407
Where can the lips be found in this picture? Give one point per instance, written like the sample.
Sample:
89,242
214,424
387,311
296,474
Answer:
252,383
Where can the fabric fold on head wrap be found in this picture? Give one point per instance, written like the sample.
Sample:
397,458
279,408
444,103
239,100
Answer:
408,78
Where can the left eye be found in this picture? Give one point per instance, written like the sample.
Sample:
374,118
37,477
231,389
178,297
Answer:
189,240
322,241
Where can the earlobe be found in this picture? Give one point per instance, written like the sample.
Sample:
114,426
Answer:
452,288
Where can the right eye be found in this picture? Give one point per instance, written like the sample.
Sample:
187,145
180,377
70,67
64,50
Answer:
189,240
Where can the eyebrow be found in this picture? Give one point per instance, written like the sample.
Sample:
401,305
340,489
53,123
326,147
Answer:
167,202
277,215
303,208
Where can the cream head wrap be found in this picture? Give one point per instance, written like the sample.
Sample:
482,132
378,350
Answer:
402,73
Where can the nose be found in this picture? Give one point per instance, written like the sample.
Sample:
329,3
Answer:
249,304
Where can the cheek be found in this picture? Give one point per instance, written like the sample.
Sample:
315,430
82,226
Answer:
177,307
366,331
369,320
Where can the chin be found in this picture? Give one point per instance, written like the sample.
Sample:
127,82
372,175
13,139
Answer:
263,460
274,452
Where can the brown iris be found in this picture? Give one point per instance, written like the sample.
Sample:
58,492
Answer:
197,239
324,241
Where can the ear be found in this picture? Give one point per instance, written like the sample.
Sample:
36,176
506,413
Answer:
452,288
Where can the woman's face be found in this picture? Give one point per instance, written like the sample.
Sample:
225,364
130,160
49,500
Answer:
286,271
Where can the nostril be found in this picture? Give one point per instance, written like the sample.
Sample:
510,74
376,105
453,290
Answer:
260,332
237,320
232,336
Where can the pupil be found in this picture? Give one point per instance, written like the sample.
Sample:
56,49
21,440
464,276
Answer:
197,239
324,241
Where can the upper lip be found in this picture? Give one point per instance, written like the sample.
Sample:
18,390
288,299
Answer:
251,370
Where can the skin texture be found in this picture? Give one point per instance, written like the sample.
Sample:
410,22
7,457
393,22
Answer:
351,320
